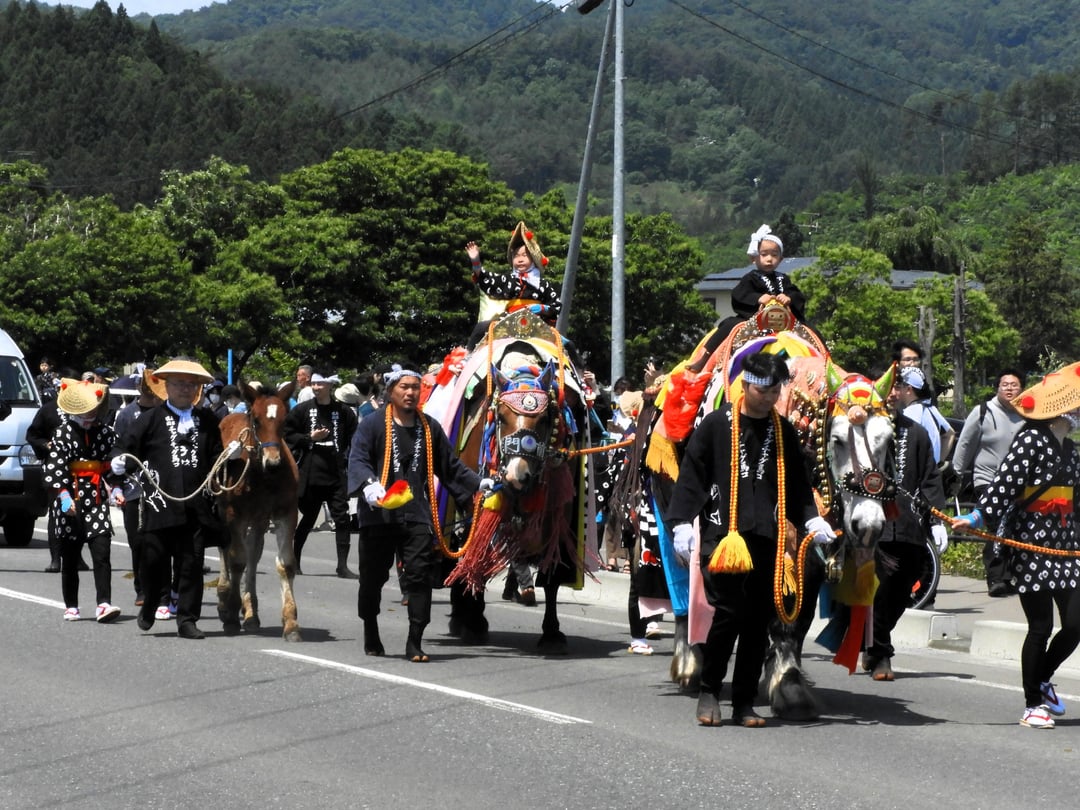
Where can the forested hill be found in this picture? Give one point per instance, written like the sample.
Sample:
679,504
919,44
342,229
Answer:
734,110
106,104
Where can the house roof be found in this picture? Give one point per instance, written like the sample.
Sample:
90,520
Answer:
726,280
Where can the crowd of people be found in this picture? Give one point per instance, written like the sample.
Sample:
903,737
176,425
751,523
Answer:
741,480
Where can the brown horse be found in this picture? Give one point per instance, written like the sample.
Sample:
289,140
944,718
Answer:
259,488
521,433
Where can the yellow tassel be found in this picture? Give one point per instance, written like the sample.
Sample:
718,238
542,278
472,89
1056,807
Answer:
493,502
661,457
789,575
731,556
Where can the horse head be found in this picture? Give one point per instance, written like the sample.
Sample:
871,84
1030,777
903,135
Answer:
525,406
860,452
261,431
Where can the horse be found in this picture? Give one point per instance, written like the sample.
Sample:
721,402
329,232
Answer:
856,478
259,487
855,451
520,427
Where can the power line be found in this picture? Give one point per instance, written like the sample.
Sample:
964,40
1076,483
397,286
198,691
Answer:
488,43
934,119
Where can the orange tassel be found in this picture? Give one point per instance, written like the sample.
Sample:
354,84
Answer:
789,575
399,494
731,556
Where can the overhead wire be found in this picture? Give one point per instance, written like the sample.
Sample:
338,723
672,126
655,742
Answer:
935,119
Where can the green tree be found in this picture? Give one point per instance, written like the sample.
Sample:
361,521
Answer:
851,302
1037,291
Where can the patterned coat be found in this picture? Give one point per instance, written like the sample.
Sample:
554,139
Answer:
90,491
1035,458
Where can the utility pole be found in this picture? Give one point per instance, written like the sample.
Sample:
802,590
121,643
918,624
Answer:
573,252
618,217
959,350
618,223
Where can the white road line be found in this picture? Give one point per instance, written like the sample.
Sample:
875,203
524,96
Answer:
29,597
495,703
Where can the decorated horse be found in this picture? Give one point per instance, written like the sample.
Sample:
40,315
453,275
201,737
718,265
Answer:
259,488
513,409
846,437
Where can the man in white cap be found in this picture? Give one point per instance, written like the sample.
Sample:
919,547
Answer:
178,443
399,445
318,432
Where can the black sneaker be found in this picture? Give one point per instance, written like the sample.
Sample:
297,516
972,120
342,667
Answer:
998,589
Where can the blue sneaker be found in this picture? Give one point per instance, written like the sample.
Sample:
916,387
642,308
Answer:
1051,701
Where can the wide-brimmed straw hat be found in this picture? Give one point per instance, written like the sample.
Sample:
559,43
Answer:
80,397
521,235
156,379
1056,394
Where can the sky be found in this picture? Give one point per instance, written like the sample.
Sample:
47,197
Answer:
140,6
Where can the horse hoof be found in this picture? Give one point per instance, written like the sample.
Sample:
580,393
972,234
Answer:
252,624
553,644
708,710
747,718
292,635
527,597
231,628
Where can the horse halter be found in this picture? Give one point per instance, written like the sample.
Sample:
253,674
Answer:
858,400
523,443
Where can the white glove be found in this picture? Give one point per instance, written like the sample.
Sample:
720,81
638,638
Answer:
487,484
941,537
820,528
373,493
118,465
683,540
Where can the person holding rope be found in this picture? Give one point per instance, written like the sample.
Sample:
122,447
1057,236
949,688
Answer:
1030,503
396,454
744,477
177,446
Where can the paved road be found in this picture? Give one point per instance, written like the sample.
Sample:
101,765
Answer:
104,716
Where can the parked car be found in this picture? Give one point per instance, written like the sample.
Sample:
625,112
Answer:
22,493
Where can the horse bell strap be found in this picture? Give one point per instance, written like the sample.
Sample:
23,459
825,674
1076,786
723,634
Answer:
522,443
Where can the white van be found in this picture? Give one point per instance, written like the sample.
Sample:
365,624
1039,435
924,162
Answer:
22,493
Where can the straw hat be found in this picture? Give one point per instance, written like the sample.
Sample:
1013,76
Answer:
156,379
631,403
521,235
80,397
1057,394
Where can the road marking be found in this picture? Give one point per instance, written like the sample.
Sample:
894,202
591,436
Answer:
495,703
29,597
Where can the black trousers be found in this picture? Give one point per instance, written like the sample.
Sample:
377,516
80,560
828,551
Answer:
743,605
422,564
310,506
898,566
181,546
1038,659
71,556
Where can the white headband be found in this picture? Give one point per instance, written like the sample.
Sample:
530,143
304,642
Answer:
396,373
749,378
764,232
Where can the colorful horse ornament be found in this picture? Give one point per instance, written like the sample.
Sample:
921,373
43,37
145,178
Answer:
861,457
522,430
259,488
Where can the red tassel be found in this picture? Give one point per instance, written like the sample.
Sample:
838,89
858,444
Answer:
848,654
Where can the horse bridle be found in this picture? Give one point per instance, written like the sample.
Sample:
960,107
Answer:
862,481
524,443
